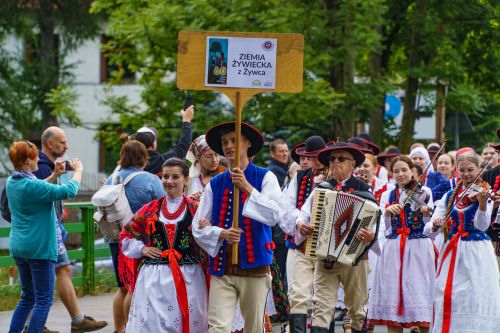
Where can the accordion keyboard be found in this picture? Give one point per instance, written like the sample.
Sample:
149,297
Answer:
316,211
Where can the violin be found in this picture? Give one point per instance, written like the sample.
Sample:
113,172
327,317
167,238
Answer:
474,189
415,196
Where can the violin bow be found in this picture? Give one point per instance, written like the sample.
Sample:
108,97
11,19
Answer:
414,188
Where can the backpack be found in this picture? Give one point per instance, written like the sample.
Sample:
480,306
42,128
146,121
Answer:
113,210
4,205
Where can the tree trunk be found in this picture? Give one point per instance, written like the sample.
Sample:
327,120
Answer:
344,125
377,113
48,58
415,57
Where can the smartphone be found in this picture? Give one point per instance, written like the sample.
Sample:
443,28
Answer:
188,101
67,166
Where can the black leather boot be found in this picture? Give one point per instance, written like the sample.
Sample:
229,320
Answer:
298,323
316,329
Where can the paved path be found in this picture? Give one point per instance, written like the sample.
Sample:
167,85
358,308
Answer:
99,307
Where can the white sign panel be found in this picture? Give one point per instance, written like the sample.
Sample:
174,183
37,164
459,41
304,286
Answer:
235,62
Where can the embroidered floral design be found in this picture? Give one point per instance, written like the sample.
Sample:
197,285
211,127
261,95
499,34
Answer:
184,242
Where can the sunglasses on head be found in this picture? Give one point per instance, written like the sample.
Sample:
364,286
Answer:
28,143
341,159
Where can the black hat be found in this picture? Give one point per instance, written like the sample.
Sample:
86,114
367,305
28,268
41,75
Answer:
214,134
362,145
312,147
367,139
357,154
293,153
391,152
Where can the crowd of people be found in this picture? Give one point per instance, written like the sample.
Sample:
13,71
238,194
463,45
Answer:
218,244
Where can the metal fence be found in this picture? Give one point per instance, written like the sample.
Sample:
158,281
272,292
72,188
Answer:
87,254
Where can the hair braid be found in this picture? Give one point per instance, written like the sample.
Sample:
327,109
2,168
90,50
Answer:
449,208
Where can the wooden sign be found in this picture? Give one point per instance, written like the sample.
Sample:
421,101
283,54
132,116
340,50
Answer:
240,65
192,62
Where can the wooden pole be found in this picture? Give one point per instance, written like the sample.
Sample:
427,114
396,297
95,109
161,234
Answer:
236,191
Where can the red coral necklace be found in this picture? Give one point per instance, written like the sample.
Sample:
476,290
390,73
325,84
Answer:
177,213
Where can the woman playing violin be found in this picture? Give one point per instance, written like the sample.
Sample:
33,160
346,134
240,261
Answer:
467,292
403,289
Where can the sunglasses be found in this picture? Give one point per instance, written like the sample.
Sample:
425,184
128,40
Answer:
341,159
30,145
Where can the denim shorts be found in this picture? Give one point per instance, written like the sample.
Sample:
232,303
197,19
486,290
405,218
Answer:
63,259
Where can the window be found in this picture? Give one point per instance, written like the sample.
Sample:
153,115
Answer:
107,68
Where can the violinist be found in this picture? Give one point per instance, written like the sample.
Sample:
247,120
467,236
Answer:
403,286
467,295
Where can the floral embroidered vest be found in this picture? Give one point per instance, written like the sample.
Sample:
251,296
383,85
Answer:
180,235
414,219
474,234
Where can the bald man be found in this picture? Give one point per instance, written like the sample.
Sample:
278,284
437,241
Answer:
55,145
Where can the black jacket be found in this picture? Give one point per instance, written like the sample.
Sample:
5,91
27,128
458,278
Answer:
157,159
279,169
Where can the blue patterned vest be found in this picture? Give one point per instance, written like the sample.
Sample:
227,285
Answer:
469,213
256,247
414,219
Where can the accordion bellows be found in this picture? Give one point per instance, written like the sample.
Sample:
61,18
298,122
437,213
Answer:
336,217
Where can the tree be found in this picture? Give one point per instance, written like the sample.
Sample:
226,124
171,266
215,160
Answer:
35,85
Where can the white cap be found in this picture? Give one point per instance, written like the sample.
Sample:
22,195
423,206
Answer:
146,130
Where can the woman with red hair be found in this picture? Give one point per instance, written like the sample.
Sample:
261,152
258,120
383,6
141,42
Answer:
33,239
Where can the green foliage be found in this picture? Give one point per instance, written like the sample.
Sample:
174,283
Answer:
35,80
144,37
62,101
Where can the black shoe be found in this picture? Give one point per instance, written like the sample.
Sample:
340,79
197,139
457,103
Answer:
298,323
353,330
316,329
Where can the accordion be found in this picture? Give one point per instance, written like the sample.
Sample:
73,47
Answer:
336,217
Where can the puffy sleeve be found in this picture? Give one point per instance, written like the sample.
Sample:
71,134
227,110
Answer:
291,212
134,234
482,219
264,206
439,212
384,203
430,203
208,237
304,216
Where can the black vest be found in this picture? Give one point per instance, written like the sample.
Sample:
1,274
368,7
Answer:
184,241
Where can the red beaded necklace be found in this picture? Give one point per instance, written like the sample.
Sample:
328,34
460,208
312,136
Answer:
177,213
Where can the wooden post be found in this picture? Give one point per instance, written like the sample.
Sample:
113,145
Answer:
236,190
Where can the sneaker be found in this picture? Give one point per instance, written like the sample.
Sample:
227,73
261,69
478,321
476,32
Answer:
89,324
46,330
